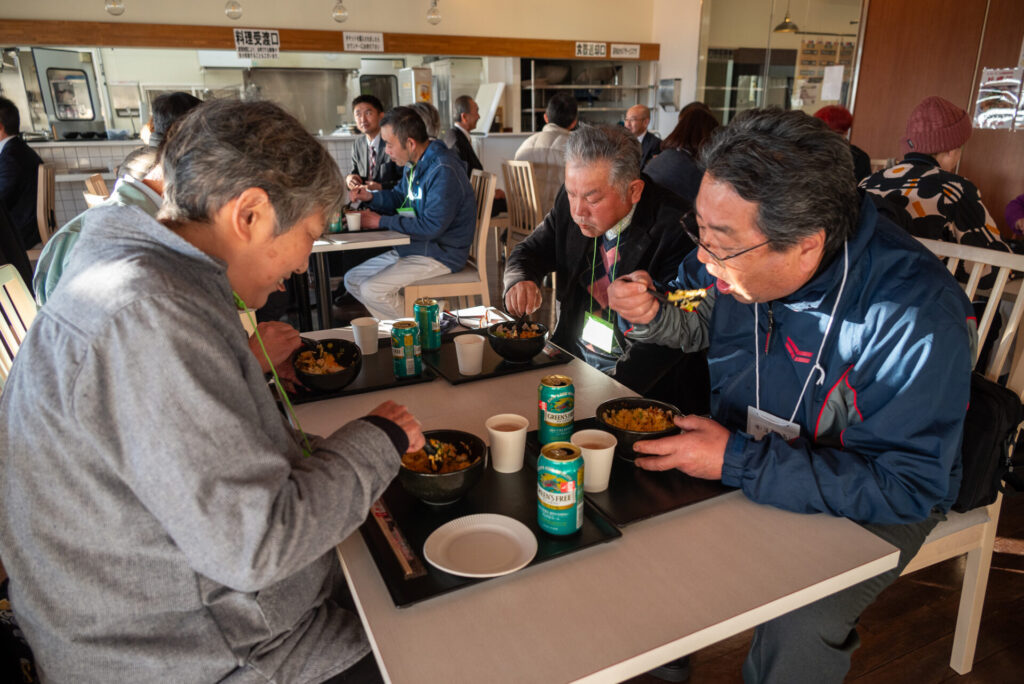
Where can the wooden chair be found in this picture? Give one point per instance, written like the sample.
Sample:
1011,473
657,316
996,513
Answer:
524,212
95,185
17,311
472,279
46,217
973,533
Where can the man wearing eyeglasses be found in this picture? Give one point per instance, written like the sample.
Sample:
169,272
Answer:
607,220
840,353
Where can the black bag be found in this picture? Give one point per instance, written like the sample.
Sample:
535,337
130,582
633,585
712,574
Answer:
990,430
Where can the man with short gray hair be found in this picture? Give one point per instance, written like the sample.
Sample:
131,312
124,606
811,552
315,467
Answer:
840,352
151,483
608,220
638,118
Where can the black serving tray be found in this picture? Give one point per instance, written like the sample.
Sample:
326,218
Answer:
446,363
377,373
511,494
633,493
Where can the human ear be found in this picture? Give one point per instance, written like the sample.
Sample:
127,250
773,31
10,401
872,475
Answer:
811,248
634,190
252,215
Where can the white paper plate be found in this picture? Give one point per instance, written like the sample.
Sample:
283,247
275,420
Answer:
483,545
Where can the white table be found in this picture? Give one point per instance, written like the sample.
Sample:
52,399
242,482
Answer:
671,585
341,242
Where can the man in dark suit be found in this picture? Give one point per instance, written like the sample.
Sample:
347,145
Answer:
467,113
638,118
607,219
371,166
19,176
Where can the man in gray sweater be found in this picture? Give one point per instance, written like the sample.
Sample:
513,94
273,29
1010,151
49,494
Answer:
158,517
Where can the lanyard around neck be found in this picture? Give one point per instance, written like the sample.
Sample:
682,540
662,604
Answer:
307,449
817,360
593,265
408,186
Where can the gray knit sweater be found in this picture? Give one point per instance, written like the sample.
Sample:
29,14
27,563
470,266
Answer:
157,517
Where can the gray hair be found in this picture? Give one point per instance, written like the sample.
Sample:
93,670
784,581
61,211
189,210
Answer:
463,105
797,171
612,144
223,147
431,117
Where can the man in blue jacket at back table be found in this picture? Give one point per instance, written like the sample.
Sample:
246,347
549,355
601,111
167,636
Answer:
840,353
433,204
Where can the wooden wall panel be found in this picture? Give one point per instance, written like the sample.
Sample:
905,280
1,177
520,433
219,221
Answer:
994,160
912,49
108,34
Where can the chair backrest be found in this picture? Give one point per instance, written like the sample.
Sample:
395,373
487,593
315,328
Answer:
46,192
524,212
977,261
95,185
17,311
483,189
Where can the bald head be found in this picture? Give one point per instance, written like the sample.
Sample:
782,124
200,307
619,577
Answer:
637,119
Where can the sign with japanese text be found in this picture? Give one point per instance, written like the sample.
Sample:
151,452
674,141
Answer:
625,51
363,41
257,43
586,49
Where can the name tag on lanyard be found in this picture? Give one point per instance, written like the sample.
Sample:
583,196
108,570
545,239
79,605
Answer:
599,333
761,423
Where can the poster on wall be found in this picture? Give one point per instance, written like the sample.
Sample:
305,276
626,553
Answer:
806,93
998,101
71,98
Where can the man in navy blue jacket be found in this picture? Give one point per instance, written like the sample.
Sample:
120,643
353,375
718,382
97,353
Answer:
840,353
433,204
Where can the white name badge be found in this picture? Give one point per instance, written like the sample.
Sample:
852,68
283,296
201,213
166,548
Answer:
599,333
761,423
407,212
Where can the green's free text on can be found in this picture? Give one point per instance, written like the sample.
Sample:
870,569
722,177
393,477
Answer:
405,349
555,402
560,488
428,317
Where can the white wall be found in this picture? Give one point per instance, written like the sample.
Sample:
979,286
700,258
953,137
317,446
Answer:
747,23
566,19
676,26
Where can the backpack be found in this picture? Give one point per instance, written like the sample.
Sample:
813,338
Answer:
991,433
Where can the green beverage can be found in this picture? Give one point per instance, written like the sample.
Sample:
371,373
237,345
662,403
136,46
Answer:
405,349
334,225
428,318
555,401
560,488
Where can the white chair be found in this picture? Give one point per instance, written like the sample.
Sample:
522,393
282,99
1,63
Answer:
17,311
973,533
92,200
46,218
524,213
472,279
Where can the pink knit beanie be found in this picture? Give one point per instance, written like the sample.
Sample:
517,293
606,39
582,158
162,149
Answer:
936,125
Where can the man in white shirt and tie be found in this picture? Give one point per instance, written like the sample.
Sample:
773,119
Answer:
638,118
371,166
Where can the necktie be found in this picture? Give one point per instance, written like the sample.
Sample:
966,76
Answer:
373,159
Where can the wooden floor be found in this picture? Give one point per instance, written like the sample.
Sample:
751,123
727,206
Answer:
907,634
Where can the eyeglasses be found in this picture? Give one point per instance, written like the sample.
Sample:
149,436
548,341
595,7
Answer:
718,259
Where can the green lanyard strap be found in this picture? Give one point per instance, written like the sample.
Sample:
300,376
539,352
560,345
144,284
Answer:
408,187
307,450
593,267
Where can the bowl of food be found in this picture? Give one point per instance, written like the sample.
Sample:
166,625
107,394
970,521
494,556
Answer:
632,419
445,476
515,343
327,365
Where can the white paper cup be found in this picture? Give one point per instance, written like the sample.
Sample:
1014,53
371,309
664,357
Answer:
598,449
508,441
469,349
365,332
354,220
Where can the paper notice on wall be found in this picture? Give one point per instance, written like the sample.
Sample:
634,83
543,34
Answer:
832,83
257,43
805,94
998,98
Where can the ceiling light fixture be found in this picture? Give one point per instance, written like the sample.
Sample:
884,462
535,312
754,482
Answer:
433,14
787,26
233,9
340,14
114,7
